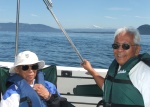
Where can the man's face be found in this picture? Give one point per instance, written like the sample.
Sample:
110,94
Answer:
123,55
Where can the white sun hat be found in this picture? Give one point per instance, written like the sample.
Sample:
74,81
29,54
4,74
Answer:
26,58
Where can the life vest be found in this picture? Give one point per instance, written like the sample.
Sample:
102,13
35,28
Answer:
118,88
28,96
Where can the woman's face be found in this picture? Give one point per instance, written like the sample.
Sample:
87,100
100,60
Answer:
123,55
28,72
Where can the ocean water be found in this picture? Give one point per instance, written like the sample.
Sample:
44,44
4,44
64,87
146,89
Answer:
54,48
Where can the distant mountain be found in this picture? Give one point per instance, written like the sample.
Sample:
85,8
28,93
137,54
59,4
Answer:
27,27
24,27
102,31
144,29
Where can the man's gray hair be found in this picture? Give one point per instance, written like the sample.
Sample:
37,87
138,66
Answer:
130,30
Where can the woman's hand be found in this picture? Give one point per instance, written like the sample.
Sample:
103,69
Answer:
42,91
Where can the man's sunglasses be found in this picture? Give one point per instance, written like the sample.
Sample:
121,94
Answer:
33,67
124,46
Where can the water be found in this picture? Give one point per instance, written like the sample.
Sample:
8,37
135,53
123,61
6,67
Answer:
54,48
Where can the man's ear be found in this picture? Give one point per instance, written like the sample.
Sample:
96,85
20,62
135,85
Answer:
138,48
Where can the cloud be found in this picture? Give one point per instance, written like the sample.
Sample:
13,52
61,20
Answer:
109,17
119,9
95,26
34,15
141,17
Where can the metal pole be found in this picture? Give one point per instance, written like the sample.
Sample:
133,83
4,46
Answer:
49,6
17,27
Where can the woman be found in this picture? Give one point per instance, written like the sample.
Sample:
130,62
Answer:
29,87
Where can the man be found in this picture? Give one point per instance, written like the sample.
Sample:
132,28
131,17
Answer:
29,89
128,78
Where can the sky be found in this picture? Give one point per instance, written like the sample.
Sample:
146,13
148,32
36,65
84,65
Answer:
79,13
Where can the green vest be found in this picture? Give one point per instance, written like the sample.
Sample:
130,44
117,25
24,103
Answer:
118,88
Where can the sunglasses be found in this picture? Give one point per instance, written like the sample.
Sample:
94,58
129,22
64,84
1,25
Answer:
124,46
33,67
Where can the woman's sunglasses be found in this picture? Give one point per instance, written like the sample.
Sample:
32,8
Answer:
33,67
124,46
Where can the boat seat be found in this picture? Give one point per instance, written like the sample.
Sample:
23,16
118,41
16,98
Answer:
88,90
51,74
4,74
